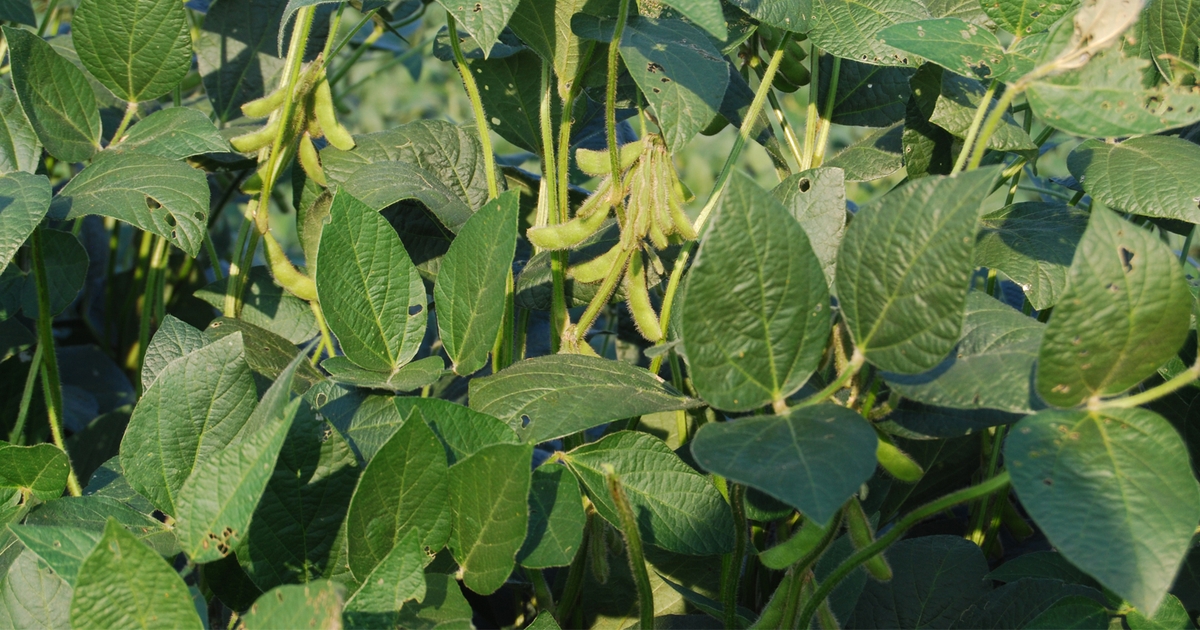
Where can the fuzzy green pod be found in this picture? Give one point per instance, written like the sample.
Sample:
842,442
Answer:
337,135
597,268
255,140
262,107
567,234
861,535
596,163
897,462
310,162
639,304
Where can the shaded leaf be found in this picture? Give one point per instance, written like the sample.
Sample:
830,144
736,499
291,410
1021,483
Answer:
173,339
234,53
556,519
139,49
817,199
20,148
175,133
483,20
66,272
489,491
56,97
24,199
398,578
407,378
1033,243
267,306
935,579
462,431
851,29
867,95
93,512
876,155
39,471
61,548
1154,176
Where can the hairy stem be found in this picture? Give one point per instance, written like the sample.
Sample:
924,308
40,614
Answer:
824,124
1181,380
610,102
481,123
130,111
973,130
633,546
990,125
733,573
17,435
812,116
856,362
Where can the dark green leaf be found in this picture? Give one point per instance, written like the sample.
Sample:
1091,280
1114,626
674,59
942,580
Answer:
489,493
935,579
1124,313
371,294
31,596
904,270
92,512
138,49
967,49
381,184
407,378
1042,564
1171,27
267,306
461,430
56,97
62,548
874,156
679,509
159,195
1171,615
1033,243
1018,604
234,53
1073,611
20,149
483,20
681,74
24,199
851,29
313,605
1154,176
469,293
66,271
812,459
928,149
1113,492
556,519
366,419
792,15
125,584
549,397
867,95
398,578
957,103
175,133
510,88
39,471
267,354
817,199
444,607
19,11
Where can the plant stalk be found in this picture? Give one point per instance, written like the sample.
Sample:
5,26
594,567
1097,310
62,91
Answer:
1179,381
733,567
610,103
481,123
990,125
17,435
825,123
973,130
633,547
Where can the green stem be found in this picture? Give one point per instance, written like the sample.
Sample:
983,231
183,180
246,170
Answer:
789,132
812,116
334,25
545,600
802,566
610,103
993,485
51,385
571,590
1187,245
232,291
1181,380
46,20
973,130
990,125
17,435
602,296
733,573
151,295
982,508
502,348
481,123
130,111
633,545
355,56
548,213
826,118
213,259
856,362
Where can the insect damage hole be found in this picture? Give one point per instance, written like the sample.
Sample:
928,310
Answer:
653,67
152,203
805,184
414,310
1126,258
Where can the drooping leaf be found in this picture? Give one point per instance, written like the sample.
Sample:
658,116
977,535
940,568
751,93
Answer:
267,306
24,199
410,377
159,195
139,49
20,148
31,596
174,133
267,354
470,287
56,97
1113,492
813,459
817,199
935,579
62,548
397,579
218,499
315,605
235,53
992,368
482,20
958,99
867,95
1154,176
681,74
904,270
549,397
66,263
1032,243
39,471
752,343
366,419
1124,313
405,486
876,155
1026,17
964,48
194,409
489,491
556,519
679,509
125,584
851,29
371,294
1171,27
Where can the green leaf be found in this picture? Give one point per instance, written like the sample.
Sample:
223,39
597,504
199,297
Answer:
267,306
489,492
462,431
444,607
125,584
172,340
366,419
1171,615
92,512
24,199
1113,492
1026,17
290,10
469,293
31,596
295,525
867,95
159,195
545,26
851,29
791,15
19,11
681,74
1124,313
556,519
1018,604
1042,564
1105,98
954,110
192,412
450,152
407,378
66,272
371,294
964,48
678,509
218,499
817,199
1032,243
510,89
56,97
20,149
872,157
813,459
139,49
992,368
935,579
707,14
1073,611
267,354
1154,176
1171,27
405,486
754,342
314,605
548,397
234,53
398,578
174,133
39,471
483,20
928,149
905,267
62,548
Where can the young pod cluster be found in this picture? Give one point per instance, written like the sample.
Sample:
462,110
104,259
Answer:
792,73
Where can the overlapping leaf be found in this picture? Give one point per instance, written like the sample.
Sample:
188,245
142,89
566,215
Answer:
20,148
1154,176
1032,243
56,97
139,49
851,29
489,491
24,200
